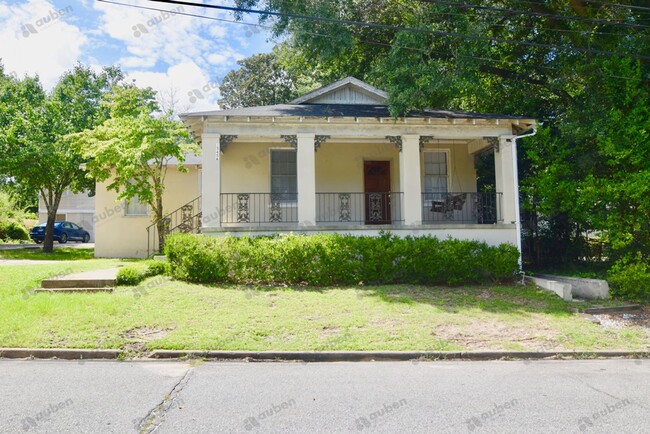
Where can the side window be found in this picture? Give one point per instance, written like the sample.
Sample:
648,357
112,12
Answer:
436,173
135,207
284,180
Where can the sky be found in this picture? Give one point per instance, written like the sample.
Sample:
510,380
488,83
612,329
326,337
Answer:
169,52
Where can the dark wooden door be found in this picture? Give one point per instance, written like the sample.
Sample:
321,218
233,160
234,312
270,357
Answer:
376,180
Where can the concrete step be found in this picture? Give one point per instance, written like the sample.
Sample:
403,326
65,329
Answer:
52,290
89,279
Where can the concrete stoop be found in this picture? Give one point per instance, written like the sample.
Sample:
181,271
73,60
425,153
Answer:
569,287
88,281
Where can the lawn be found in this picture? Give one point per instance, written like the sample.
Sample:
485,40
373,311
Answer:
59,254
161,313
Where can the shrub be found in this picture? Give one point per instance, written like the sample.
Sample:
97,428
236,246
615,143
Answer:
331,259
10,230
630,278
133,274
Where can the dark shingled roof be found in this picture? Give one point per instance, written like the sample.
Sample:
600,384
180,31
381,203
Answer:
344,110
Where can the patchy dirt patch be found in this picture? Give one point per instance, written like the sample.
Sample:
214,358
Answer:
330,331
640,318
139,337
495,335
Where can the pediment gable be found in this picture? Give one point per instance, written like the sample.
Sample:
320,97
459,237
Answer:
347,91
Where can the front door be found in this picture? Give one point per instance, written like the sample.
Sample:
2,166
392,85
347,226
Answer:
376,180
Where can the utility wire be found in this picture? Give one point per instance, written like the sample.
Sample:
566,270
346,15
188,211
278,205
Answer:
400,28
364,41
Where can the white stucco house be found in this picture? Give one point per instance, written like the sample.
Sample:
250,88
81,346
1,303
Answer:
335,160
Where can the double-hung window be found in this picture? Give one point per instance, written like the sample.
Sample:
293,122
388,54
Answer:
284,179
436,174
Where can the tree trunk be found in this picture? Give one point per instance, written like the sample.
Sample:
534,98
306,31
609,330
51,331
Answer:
48,243
161,224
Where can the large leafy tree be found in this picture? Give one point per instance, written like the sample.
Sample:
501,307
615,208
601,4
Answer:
260,80
131,149
34,126
581,67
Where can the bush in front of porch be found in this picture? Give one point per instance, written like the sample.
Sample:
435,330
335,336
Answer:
335,259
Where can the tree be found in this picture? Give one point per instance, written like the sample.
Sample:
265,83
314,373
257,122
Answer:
131,149
34,124
580,67
260,80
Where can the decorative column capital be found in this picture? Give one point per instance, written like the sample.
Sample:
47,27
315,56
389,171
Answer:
493,141
224,141
291,139
395,140
319,140
424,140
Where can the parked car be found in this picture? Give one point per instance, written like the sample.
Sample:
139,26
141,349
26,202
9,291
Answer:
63,232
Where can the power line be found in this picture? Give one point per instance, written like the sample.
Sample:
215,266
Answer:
400,28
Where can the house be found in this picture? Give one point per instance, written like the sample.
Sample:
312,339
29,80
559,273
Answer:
335,160
77,208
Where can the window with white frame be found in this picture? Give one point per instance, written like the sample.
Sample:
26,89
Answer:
134,206
436,172
284,179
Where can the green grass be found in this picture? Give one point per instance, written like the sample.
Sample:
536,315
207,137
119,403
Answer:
59,254
161,313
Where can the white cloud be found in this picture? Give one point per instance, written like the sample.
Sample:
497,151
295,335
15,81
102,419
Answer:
39,40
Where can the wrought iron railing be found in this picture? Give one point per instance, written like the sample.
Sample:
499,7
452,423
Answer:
469,208
187,219
259,208
359,208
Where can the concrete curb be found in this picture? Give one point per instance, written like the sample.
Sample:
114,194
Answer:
313,356
58,353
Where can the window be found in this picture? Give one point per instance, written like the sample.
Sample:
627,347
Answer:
284,181
133,206
436,173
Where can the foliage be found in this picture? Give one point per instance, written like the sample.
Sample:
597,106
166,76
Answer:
133,274
630,278
577,67
131,150
11,230
260,80
33,126
331,259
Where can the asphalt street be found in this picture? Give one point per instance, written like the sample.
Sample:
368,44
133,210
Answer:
594,396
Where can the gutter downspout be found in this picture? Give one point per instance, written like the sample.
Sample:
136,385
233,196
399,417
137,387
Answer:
515,172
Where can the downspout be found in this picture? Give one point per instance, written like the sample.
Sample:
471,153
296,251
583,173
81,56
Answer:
515,173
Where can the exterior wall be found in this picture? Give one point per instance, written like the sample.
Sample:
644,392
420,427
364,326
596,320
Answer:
120,236
77,208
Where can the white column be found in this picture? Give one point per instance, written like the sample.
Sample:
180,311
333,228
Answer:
306,171
410,182
211,181
505,170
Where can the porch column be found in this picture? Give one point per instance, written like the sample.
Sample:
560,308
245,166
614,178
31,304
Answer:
306,172
505,170
410,182
211,181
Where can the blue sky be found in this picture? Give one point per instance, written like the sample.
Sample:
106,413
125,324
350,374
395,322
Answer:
171,53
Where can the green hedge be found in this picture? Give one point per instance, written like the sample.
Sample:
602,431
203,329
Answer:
630,278
334,259
135,273
10,230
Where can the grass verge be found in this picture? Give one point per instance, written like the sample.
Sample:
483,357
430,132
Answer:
59,254
164,314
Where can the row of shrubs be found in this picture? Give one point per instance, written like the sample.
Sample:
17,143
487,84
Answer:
135,273
630,278
11,230
333,259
